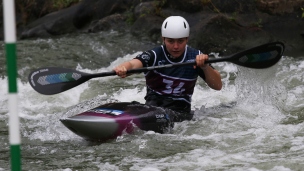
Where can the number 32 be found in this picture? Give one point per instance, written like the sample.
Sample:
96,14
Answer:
170,90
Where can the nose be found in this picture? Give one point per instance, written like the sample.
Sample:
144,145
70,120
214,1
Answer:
175,45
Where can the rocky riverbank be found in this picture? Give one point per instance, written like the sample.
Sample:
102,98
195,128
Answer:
216,25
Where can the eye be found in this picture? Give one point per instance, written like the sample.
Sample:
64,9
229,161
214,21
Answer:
170,41
180,41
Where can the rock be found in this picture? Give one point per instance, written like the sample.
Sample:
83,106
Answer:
190,6
56,23
72,19
216,25
144,8
97,9
235,6
279,6
221,34
148,27
109,22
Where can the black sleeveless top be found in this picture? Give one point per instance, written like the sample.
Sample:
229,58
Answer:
176,83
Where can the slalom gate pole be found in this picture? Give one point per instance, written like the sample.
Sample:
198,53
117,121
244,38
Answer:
10,48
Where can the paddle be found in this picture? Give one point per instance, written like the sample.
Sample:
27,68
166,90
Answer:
53,80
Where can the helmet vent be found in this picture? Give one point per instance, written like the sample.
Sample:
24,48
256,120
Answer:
166,24
185,25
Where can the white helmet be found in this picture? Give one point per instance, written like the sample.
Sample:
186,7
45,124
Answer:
175,27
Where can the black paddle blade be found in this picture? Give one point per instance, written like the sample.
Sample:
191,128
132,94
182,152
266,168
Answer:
53,80
259,57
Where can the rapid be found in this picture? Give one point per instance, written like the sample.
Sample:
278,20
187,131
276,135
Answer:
254,123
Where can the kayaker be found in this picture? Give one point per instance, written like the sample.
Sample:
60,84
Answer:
172,88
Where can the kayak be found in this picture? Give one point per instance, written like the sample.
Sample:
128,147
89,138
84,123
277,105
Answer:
111,120
108,121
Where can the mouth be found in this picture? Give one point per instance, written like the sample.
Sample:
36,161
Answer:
176,52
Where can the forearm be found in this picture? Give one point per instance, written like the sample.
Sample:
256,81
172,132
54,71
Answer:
132,64
212,77
127,65
122,69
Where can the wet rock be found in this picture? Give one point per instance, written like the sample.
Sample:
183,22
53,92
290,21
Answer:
72,19
97,9
221,34
279,6
56,23
148,27
190,6
113,21
144,8
216,25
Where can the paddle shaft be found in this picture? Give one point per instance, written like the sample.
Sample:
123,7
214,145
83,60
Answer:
53,80
144,69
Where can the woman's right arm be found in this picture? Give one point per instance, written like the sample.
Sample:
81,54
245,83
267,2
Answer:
121,70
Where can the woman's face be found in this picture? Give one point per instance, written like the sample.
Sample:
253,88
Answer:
176,47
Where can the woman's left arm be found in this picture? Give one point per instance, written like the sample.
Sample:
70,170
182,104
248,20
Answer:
212,76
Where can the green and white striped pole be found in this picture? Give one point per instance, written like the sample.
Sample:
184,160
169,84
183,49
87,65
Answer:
10,46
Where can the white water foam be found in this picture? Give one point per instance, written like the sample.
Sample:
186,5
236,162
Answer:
237,137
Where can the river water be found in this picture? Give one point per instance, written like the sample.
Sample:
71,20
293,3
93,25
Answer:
254,123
